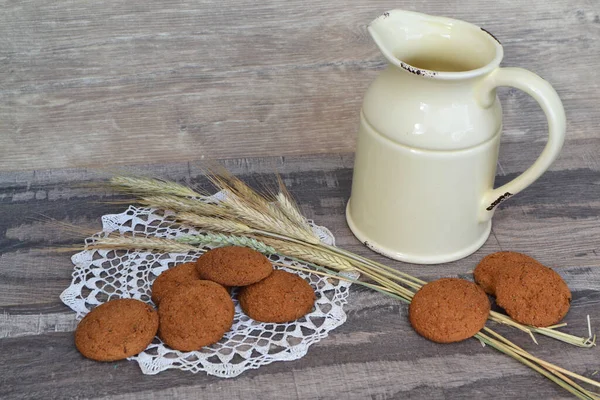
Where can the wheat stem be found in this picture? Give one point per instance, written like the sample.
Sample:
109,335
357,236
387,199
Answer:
346,256
565,337
332,274
387,283
375,264
558,371
498,345
542,362
377,276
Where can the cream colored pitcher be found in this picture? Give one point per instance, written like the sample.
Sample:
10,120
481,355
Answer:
428,141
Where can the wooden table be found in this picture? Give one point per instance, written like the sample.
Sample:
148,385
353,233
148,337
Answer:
155,87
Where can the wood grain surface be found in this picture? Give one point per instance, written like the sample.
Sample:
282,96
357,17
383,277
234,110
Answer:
375,354
154,87
122,82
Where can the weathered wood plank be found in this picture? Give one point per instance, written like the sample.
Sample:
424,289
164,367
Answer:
108,82
385,364
540,210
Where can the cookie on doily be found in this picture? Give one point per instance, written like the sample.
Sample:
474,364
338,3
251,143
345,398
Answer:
233,266
281,297
172,278
196,315
116,330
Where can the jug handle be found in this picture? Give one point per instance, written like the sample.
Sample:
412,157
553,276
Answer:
550,103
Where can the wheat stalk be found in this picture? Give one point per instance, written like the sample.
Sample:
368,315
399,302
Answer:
334,275
209,238
288,208
224,180
181,204
143,242
260,220
307,253
552,367
151,186
275,210
259,210
502,346
294,252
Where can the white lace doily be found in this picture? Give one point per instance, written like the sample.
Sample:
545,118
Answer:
101,275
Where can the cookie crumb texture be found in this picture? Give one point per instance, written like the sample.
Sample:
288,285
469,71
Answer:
233,266
281,297
499,264
449,310
172,278
196,315
116,330
535,296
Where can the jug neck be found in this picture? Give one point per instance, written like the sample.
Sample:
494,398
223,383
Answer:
437,48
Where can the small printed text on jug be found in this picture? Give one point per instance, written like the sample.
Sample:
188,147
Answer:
499,200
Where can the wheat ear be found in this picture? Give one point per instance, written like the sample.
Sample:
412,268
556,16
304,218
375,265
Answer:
306,253
141,242
151,186
220,239
181,204
245,212
257,209
290,209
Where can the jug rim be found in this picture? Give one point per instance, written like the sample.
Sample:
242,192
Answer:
450,22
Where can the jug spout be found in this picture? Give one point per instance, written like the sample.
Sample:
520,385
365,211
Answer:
435,47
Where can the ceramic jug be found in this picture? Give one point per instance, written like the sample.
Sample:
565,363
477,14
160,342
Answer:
429,135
